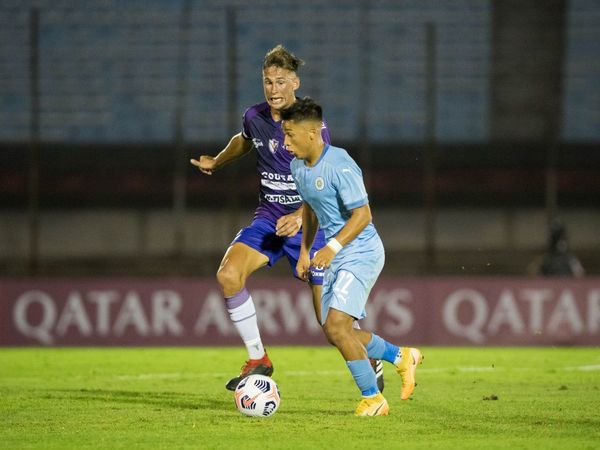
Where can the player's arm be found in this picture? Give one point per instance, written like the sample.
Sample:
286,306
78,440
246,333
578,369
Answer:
360,218
310,227
237,147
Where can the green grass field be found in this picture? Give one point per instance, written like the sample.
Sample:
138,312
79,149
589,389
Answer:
174,398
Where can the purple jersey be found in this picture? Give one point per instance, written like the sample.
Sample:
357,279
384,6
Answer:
278,194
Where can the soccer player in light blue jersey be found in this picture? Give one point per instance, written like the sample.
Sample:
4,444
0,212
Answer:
335,199
276,230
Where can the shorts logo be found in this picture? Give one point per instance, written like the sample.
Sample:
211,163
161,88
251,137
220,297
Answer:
273,145
319,183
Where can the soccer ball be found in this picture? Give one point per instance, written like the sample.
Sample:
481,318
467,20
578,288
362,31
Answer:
257,396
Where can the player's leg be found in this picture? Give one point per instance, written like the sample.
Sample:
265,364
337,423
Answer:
343,301
291,249
363,336
376,363
238,263
405,359
316,298
339,330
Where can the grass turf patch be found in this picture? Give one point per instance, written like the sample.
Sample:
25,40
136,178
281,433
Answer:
175,398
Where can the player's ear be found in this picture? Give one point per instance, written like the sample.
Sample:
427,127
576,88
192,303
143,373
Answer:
296,82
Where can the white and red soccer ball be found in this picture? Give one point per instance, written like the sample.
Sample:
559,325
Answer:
257,396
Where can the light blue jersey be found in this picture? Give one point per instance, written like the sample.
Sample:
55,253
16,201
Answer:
333,187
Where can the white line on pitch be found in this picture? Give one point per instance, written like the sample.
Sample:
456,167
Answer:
307,373
585,368
151,376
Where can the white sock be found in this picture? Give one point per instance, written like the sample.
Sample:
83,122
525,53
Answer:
244,319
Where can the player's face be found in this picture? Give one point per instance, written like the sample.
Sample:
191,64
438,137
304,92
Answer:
299,138
280,86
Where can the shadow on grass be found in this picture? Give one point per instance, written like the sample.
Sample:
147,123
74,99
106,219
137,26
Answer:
177,400
318,414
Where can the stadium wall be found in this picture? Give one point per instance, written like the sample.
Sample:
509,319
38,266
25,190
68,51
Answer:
181,312
138,234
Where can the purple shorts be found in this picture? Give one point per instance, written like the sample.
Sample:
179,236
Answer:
260,235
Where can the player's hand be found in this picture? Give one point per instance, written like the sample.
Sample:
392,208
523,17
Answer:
303,266
323,258
288,225
206,164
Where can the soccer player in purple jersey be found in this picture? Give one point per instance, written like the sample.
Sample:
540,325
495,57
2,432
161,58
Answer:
276,229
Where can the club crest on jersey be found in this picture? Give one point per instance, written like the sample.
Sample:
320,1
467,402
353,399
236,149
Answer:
273,145
319,183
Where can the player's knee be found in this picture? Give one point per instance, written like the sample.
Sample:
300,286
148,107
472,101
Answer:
335,331
327,336
230,279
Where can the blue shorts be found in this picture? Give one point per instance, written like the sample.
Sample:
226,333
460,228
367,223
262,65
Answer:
260,235
349,279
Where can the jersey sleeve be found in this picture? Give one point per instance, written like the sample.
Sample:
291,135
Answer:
350,185
294,173
325,133
246,134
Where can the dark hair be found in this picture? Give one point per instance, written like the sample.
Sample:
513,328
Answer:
281,57
303,109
